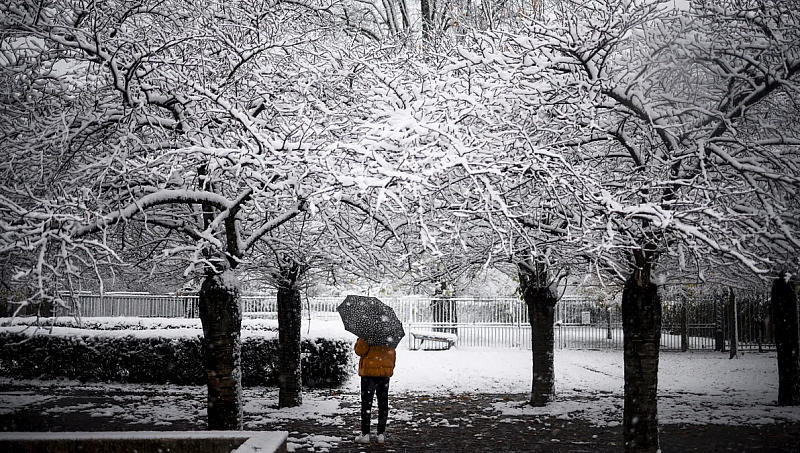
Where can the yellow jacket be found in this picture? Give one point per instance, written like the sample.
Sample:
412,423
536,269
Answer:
376,361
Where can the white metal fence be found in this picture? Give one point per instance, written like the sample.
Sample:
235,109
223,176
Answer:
498,322
479,334
132,304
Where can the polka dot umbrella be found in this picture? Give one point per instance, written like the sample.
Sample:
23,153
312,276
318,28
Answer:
371,320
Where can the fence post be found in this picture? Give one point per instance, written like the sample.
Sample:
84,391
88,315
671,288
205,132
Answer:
560,336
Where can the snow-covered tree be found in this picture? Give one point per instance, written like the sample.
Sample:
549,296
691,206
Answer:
338,240
683,114
208,126
492,195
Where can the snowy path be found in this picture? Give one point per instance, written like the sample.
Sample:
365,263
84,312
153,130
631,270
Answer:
700,387
694,388
750,380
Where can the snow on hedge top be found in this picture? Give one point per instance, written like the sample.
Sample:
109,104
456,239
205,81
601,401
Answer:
160,327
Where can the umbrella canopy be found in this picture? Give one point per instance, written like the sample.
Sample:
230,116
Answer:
371,320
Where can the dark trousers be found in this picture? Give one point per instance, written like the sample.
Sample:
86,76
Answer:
369,387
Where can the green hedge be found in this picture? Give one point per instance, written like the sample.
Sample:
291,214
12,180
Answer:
156,360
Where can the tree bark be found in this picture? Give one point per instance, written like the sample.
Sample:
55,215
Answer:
405,17
541,304
221,315
733,332
290,379
540,298
443,308
641,324
427,19
719,322
684,326
787,341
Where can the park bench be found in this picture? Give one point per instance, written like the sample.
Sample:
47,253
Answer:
446,339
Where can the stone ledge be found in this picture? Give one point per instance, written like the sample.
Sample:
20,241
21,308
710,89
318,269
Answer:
145,441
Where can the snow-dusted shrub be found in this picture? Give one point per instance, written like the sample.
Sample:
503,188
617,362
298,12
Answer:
157,360
153,360
326,362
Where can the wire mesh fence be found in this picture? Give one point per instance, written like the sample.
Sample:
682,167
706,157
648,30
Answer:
580,322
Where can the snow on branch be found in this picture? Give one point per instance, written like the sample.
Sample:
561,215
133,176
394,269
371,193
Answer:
150,200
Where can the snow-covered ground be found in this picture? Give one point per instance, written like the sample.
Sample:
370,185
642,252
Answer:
694,388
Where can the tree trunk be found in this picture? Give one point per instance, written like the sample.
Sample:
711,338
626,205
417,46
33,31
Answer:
719,322
444,311
733,332
406,18
290,380
541,304
221,315
641,325
427,19
684,326
787,341
443,308
540,298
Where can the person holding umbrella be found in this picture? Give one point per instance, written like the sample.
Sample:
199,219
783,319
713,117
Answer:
379,331
375,366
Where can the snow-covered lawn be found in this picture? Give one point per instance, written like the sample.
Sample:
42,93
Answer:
694,388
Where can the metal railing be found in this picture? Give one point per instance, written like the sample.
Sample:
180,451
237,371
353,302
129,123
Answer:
480,334
580,322
133,304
